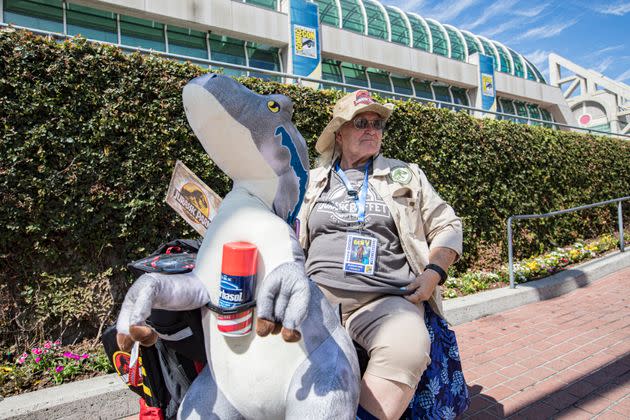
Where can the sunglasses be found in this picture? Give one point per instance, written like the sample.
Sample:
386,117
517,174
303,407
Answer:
363,123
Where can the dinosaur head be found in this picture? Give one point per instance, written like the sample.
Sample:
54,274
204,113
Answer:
251,138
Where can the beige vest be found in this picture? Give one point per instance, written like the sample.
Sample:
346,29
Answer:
422,218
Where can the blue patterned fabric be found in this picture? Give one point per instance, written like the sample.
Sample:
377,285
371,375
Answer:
442,392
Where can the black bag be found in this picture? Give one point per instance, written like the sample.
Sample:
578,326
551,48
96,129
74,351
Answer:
169,367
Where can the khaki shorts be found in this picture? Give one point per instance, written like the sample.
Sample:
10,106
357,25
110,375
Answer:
390,328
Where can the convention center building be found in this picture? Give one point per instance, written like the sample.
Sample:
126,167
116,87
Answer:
341,44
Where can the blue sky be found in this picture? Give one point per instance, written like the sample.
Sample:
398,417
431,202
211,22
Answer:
593,34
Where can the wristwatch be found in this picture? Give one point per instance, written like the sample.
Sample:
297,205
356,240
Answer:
439,270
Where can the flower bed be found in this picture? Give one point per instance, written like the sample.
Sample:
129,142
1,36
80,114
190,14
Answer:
528,269
50,364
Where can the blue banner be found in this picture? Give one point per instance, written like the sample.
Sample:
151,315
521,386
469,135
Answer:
305,39
486,83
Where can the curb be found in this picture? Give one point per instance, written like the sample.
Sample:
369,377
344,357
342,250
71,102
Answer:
469,308
103,397
106,397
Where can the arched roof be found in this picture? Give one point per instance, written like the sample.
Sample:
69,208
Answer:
372,18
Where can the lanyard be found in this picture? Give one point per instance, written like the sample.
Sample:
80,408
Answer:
362,196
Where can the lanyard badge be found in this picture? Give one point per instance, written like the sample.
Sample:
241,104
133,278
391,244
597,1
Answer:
360,254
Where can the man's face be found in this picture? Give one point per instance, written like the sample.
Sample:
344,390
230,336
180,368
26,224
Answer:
358,144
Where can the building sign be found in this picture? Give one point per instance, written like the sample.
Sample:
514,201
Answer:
486,81
305,42
192,199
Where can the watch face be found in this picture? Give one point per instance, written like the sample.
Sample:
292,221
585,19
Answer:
401,175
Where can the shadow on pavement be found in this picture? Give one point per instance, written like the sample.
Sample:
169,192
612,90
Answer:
588,394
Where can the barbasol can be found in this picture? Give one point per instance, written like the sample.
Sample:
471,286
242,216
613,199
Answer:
238,283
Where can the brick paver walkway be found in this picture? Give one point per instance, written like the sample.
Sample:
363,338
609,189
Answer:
563,358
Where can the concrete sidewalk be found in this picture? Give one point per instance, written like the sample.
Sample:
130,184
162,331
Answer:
565,358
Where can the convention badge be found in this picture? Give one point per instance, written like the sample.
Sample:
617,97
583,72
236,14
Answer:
360,254
401,175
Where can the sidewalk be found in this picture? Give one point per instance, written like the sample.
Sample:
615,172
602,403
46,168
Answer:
564,358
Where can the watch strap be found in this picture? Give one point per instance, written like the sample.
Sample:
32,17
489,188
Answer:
439,270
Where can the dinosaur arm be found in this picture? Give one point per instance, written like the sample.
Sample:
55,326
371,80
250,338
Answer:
177,292
284,297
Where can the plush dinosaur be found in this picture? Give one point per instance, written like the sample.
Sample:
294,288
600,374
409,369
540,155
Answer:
310,370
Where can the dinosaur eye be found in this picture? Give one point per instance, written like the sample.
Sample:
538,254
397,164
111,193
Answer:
273,106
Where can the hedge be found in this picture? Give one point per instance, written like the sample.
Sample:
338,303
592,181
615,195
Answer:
90,136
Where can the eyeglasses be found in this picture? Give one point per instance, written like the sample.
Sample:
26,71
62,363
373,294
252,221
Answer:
363,123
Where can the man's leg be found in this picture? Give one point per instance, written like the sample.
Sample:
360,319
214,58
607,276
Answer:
393,332
384,399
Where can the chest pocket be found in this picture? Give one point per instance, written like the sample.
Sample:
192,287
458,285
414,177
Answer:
406,200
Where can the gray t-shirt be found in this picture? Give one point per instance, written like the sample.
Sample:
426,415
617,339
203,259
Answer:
333,217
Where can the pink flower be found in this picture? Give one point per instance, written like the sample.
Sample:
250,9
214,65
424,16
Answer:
37,350
24,355
21,360
85,356
48,344
70,355
38,359
59,369
57,342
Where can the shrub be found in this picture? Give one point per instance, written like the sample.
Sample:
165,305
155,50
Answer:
90,136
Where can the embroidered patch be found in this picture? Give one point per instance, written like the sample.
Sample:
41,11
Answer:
402,175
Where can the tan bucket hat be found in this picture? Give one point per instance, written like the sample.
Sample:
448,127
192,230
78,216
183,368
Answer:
345,109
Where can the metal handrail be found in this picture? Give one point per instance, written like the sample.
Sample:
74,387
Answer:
555,213
300,79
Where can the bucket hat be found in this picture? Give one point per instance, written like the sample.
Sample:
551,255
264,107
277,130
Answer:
345,110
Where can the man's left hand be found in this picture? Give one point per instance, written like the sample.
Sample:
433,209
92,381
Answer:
423,286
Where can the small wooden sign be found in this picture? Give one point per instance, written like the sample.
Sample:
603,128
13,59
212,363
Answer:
192,198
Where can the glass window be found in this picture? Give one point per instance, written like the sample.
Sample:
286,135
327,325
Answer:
490,51
420,35
439,40
459,97
521,110
472,45
545,115
534,112
402,85
331,71
187,42
46,15
531,75
541,79
507,107
354,74
423,89
263,57
505,66
352,16
228,50
269,4
400,32
519,71
457,46
377,25
442,94
379,80
328,12
143,33
91,23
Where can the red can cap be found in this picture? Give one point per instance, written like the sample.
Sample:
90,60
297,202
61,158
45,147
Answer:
239,259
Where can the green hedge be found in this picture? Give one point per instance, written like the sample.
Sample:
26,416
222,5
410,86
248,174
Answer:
90,136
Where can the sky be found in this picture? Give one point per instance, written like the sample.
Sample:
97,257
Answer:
594,34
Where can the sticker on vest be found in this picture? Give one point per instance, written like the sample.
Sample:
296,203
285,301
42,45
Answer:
360,254
401,174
